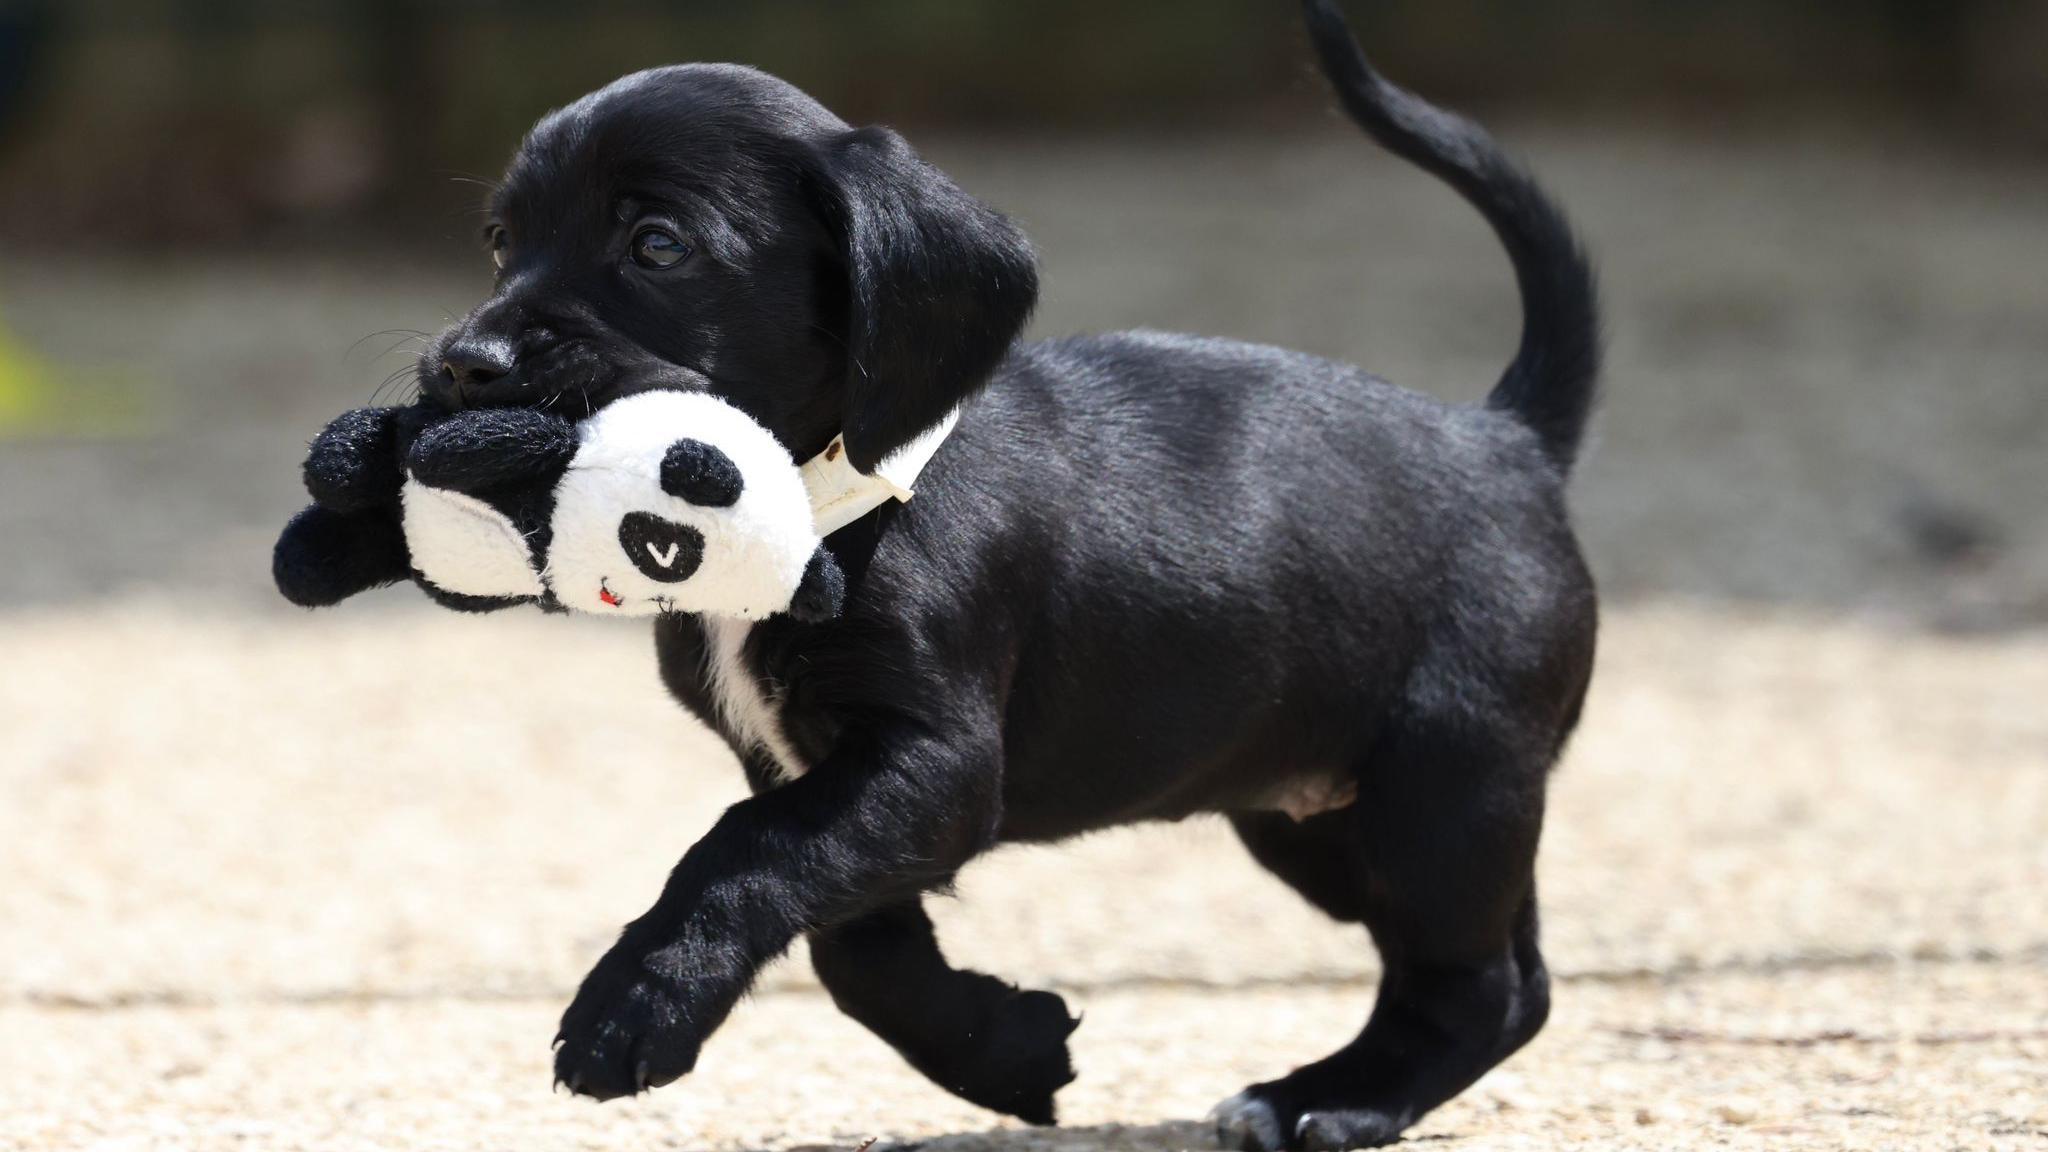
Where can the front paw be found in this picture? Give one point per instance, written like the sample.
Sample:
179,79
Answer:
629,1029
1019,1059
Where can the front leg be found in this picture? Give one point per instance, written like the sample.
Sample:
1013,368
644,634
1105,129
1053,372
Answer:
888,814
984,1040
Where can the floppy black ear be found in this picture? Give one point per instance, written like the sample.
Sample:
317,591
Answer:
938,285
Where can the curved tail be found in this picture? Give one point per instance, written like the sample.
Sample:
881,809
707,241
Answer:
1550,384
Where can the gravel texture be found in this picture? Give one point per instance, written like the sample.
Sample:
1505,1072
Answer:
325,883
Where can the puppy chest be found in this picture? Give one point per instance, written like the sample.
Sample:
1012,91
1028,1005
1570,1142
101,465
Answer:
747,708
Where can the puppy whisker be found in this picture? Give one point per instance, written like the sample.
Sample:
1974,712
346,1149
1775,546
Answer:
410,334
420,338
397,378
479,181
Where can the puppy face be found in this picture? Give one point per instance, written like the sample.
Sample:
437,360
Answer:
710,228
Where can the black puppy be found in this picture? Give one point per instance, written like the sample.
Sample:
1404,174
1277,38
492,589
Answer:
1148,576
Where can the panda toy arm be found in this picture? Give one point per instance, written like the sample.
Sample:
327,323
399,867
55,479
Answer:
661,502
359,533
349,539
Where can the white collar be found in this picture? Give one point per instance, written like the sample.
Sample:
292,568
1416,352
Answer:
841,493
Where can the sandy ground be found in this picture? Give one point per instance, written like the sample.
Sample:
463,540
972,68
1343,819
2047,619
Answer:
325,884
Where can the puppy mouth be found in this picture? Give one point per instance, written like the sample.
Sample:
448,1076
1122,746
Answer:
573,378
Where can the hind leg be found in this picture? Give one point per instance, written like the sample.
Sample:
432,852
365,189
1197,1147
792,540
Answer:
977,1037
1436,860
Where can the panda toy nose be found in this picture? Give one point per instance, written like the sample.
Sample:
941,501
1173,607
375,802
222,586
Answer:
661,549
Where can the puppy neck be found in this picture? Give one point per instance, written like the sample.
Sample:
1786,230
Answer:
841,493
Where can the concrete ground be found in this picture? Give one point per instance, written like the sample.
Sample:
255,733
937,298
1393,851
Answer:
273,881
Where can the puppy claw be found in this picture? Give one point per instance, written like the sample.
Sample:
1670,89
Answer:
1246,1123
1340,1130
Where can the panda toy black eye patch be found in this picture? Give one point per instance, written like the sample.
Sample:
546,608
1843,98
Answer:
695,471
661,549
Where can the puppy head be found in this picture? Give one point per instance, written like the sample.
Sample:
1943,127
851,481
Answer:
711,228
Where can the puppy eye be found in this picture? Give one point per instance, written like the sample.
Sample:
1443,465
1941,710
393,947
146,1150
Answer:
501,246
658,248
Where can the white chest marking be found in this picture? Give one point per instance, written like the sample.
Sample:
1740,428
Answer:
664,558
754,719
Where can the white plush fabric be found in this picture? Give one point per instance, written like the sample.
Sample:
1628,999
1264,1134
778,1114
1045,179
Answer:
464,545
754,551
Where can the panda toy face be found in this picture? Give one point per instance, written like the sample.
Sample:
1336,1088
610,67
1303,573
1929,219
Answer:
678,502
660,502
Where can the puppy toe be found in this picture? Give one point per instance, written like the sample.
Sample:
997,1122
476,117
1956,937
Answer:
1248,1122
1340,1130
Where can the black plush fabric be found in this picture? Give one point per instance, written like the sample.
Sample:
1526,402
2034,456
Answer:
461,603
324,556
662,549
341,469
822,591
698,472
477,452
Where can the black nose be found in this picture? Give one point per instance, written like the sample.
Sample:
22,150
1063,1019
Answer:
474,369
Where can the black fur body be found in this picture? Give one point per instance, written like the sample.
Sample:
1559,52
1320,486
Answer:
1147,577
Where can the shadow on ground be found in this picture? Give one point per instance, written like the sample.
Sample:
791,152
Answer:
1174,1136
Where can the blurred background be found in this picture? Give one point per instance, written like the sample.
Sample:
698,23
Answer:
325,879
1821,227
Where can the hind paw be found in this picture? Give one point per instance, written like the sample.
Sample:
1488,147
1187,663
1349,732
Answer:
1019,1060
1256,1120
1247,1122
1342,1129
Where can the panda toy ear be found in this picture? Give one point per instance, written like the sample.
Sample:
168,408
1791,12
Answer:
701,474
822,592
476,500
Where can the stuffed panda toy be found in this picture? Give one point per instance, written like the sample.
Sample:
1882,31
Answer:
660,502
